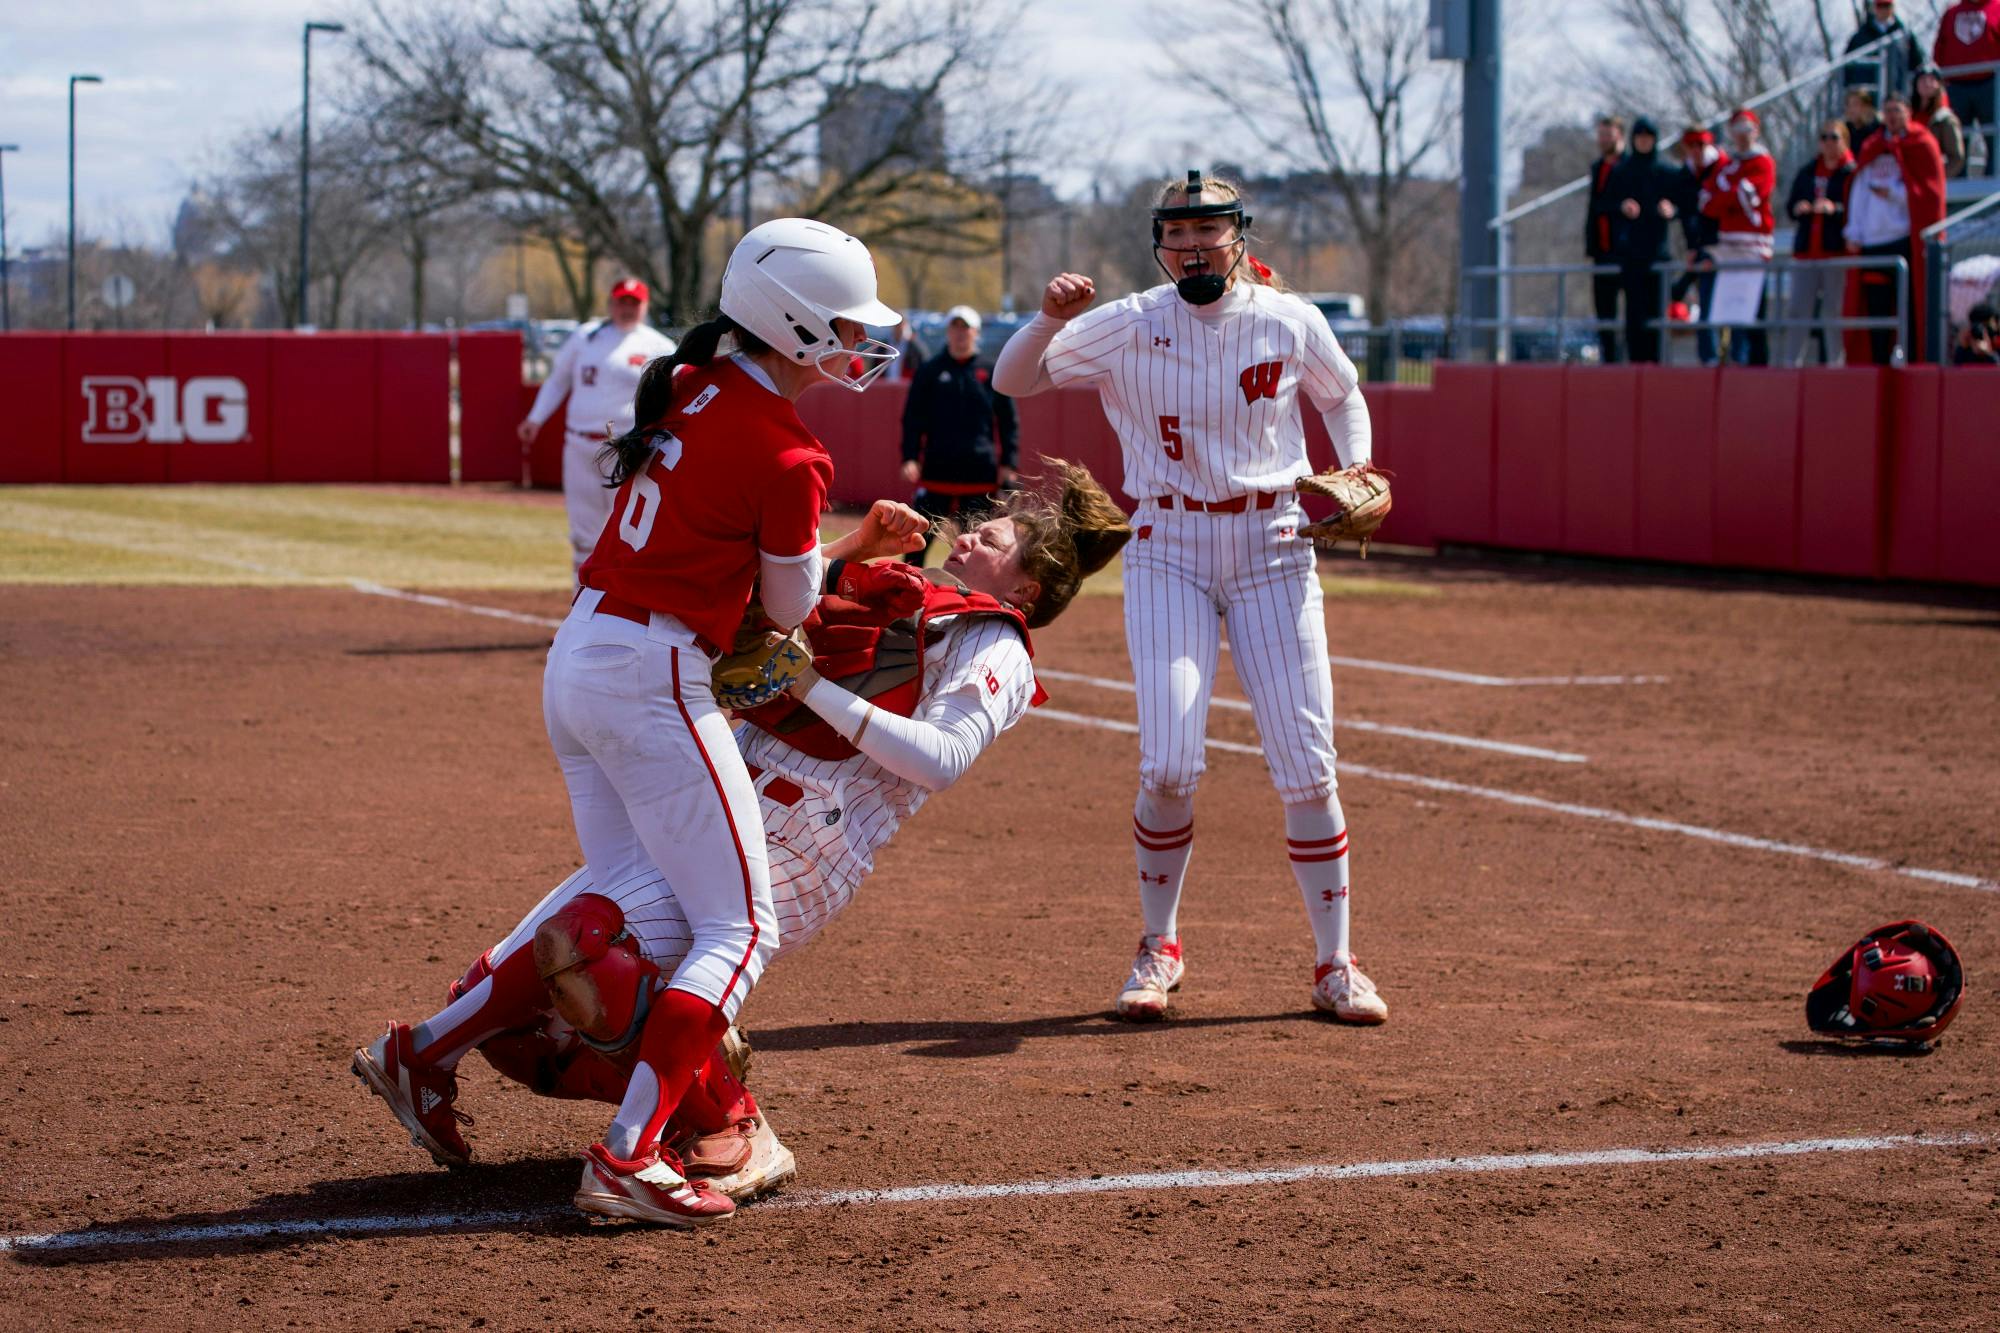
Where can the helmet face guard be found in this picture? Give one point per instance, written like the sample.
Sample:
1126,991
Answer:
1901,982
1200,288
858,366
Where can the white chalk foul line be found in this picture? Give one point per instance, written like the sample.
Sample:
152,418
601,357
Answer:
1147,1182
1476,678
452,604
1349,723
1722,836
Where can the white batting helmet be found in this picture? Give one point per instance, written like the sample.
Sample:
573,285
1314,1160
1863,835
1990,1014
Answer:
789,279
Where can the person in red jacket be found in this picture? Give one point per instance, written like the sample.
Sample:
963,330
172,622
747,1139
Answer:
1742,204
1896,191
1969,34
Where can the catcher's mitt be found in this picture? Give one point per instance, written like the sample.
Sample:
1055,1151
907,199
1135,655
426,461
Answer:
1360,496
759,672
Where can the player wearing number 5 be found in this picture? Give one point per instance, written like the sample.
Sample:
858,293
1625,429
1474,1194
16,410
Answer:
1200,378
720,489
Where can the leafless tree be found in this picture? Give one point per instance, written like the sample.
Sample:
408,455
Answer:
1346,88
634,124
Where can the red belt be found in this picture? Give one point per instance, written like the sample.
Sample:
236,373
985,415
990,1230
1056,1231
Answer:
782,790
607,605
1235,504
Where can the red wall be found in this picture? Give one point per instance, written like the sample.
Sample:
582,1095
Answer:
272,407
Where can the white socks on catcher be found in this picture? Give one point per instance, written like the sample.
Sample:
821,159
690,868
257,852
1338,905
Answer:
1163,840
1316,836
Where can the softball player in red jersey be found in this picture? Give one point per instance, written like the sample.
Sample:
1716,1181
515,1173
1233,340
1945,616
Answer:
720,489
829,795
1201,378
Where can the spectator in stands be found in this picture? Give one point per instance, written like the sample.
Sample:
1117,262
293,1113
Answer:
1896,191
1597,229
1644,187
1969,34
1700,160
909,352
1931,106
1860,117
1819,203
1979,340
1900,56
1742,204
961,440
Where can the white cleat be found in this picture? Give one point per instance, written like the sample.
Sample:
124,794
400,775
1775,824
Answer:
769,1166
1344,990
1156,973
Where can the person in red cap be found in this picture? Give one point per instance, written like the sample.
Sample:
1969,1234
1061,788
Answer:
597,371
1741,204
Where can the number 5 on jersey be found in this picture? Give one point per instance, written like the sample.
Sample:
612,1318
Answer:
642,504
1170,433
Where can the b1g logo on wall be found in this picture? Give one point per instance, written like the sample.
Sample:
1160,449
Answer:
206,409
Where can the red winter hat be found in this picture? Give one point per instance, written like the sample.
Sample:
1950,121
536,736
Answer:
1745,113
632,288
1694,135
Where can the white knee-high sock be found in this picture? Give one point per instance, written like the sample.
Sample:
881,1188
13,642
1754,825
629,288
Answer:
1163,840
1316,836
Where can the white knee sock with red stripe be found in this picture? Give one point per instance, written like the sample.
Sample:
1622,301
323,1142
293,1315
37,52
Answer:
1316,836
1163,838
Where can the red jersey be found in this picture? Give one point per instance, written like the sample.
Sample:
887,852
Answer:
1968,34
736,472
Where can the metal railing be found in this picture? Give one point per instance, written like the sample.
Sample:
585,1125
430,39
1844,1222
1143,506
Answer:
1779,266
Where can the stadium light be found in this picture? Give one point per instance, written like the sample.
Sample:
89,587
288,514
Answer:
305,156
74,80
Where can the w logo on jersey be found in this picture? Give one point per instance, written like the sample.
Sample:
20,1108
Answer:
1261,380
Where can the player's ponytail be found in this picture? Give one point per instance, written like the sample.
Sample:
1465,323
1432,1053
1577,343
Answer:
626,454
1066,538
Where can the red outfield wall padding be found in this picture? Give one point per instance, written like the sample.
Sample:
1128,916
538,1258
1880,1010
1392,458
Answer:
1528,458
1677,467
323,408
1969,477
32,386
1757,469
1915,394
111,383
1840,471
412,408
1402,445
1458,453
1600,461
863,432
489,377
242,359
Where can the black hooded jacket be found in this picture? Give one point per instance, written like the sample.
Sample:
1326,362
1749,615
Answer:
1648,179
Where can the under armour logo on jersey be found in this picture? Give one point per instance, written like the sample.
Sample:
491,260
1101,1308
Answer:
1286,534
1261,380
1162,341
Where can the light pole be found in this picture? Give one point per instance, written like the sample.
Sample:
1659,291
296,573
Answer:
74,80
305,153
6,306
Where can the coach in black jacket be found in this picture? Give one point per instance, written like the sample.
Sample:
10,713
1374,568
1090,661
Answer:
961,441
1644,189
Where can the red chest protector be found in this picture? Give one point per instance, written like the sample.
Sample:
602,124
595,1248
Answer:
878,655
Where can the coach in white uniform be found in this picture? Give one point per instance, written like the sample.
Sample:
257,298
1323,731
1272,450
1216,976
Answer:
598,371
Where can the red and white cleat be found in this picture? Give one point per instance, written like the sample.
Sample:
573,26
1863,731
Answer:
422,1097
745,1161
1344,990
1156,972
650,1189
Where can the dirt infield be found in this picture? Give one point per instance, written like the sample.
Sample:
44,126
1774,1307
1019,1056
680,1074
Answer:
243,826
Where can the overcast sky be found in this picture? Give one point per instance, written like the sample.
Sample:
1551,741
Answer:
183,77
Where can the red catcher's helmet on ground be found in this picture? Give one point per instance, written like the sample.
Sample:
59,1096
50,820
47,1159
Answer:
1901,982
597,978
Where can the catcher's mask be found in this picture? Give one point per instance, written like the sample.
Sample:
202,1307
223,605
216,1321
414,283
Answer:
596,977
1200,288
1901,982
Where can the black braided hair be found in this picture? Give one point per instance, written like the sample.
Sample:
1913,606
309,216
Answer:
627,453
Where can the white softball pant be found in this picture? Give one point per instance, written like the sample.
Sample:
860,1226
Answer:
659,789
1187,577
586,498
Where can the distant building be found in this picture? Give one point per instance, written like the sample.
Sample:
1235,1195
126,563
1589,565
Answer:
877,126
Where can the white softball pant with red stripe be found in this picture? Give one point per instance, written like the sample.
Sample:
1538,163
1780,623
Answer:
657,784
1187,576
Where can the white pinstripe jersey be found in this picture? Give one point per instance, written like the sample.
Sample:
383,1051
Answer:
1205,399
853,806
